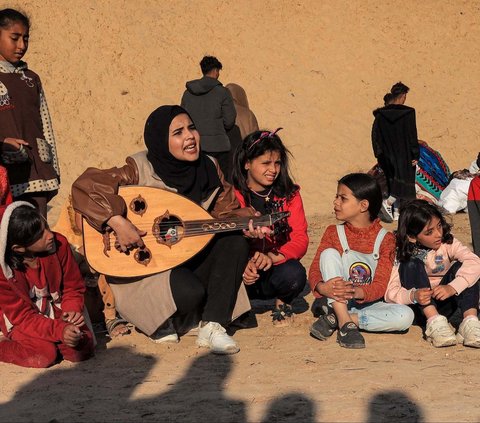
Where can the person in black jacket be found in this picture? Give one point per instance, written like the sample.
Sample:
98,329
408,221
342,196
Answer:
211,107
395,145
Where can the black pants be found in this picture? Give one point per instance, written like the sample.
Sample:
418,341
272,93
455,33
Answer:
413,275
211,279
284,282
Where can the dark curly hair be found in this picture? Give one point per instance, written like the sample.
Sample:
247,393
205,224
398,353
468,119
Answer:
414,216
251,148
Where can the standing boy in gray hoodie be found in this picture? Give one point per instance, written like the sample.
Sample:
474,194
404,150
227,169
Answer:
211,107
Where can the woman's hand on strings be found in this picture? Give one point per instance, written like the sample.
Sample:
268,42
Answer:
127,234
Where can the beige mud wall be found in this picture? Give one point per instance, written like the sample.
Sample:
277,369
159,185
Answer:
316,68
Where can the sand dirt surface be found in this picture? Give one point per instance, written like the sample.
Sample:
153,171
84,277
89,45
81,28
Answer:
280,375
318,69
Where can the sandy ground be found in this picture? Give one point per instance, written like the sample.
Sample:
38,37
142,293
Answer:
280,374
318,69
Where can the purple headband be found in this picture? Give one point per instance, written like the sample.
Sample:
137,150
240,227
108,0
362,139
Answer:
263,135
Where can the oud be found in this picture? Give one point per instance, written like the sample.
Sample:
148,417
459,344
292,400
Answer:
177,229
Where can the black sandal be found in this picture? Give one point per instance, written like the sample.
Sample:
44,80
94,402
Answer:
282,314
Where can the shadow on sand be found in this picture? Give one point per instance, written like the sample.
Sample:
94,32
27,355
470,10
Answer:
104,389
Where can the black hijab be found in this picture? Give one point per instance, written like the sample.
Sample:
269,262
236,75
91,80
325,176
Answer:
195,180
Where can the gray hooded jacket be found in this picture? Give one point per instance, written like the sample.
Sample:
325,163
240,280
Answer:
211,107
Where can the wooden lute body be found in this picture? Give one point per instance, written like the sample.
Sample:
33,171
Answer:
177,229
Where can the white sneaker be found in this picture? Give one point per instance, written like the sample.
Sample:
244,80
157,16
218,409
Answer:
165,333
469,333
440,333
214,336
386,212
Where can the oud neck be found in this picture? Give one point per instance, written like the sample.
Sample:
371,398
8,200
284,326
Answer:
213,226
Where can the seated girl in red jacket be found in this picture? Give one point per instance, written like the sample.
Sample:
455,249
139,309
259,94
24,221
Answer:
262,181
41,293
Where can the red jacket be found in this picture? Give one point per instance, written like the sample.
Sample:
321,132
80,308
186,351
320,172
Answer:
297,246
63,276
5,193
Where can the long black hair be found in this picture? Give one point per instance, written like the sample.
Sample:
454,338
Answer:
365,187
253,146
414,216
26,226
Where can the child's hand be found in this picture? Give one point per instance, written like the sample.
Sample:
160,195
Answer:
73,317
338,289
258,231
423,296
261,261
13,144
442,292
72,335
250,275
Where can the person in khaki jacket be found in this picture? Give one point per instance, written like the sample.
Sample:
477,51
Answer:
210,282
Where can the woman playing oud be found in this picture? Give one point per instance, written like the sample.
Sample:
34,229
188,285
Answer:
211,280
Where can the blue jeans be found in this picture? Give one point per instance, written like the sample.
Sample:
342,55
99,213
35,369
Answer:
372,317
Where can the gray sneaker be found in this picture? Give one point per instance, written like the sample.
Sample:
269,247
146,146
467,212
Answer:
324,326
349,336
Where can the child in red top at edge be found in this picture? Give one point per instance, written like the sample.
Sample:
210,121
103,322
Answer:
41,293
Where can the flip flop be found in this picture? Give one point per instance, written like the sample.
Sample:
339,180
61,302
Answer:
112,324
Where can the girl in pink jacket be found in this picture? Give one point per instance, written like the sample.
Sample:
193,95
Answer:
437,274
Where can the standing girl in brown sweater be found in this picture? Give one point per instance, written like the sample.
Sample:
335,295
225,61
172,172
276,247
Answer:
26,137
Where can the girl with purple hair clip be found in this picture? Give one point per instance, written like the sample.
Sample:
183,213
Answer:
262,181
